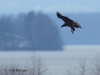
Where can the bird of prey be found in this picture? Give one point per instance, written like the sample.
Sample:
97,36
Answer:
68,22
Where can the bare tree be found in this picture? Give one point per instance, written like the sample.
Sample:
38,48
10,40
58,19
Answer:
95,69
82,65
33,64
81,70
40,67
37,66
69,73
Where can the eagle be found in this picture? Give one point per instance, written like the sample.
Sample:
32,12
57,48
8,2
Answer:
68,22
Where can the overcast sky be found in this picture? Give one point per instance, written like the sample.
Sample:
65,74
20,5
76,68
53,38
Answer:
48,6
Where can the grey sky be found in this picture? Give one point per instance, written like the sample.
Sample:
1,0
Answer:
48,6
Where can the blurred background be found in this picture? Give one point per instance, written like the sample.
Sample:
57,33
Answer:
31,27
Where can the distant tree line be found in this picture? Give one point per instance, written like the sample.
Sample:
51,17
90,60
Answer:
29,32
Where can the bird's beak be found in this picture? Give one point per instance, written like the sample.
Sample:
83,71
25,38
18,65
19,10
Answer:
80,27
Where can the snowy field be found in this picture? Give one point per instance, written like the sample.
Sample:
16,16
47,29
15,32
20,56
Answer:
57,62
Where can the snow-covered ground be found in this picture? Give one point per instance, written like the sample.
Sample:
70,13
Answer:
57,62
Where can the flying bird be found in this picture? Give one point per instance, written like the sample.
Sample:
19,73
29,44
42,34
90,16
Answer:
68,22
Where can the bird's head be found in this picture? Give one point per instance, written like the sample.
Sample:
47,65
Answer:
78,25
61,26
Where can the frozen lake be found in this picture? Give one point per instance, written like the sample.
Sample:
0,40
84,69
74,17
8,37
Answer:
57,62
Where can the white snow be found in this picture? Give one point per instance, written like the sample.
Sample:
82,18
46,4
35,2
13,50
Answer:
57,62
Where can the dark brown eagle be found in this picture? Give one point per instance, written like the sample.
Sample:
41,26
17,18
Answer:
68,22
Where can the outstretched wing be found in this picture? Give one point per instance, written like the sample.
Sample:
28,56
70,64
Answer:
64,18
